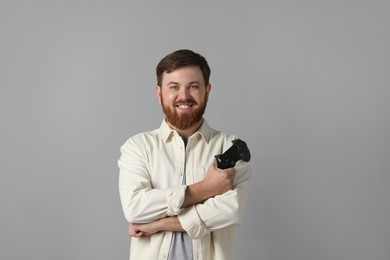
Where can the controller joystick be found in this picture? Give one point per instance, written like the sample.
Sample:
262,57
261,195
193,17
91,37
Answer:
238,151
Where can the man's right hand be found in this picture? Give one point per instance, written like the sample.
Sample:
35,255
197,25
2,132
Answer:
218,181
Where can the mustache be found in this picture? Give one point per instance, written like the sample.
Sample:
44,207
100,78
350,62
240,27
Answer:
186,101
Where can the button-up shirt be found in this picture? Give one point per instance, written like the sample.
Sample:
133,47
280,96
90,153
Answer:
152,165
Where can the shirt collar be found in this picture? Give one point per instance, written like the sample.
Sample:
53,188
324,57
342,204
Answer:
167,132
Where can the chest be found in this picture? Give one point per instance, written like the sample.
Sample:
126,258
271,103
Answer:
174,163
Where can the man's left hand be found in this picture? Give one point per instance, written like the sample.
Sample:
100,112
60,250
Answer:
139,230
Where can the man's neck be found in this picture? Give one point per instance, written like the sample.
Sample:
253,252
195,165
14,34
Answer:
186,133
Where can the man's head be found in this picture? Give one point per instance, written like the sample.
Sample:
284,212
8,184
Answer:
183,88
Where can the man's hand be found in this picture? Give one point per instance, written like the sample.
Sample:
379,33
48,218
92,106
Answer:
139,230
216,182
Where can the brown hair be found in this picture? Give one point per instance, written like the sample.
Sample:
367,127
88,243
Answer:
180,59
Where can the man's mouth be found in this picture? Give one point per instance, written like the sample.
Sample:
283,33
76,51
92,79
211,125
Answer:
187,104
184,106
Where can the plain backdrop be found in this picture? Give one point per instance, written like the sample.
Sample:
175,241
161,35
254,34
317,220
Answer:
305,83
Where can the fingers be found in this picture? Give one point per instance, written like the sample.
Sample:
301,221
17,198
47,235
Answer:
228,171
133,231
218,181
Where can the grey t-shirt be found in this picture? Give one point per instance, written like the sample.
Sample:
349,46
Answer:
181,247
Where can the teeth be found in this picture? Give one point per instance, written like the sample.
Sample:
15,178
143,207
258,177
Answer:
184,106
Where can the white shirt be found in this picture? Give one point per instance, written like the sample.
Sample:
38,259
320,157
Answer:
152,166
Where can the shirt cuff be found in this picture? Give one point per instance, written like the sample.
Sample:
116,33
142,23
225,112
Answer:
192,224
175,198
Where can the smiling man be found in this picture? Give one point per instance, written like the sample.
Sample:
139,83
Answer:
179,205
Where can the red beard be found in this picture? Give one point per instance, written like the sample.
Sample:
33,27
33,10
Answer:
184,121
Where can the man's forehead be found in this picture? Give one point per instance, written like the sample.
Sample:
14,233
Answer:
188,74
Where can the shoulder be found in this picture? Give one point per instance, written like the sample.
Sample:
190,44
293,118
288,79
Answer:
223,138
142,140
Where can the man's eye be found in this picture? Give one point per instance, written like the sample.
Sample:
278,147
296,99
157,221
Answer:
195,86
173,87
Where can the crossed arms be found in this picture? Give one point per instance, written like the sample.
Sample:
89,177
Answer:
215,202
216,182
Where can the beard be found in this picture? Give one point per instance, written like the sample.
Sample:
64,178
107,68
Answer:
184,121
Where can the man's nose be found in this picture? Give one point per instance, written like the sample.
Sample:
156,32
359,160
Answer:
184,93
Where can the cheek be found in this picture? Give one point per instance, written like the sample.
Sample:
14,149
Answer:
168,98
199,97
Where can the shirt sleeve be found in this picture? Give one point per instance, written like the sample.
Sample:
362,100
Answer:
141,202
221,211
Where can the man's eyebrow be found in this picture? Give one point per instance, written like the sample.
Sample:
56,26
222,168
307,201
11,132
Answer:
194,82
173,83
177,83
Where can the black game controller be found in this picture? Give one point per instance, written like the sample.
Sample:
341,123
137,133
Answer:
238,151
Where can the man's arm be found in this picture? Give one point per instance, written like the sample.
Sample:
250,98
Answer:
141,201
148,229
216,182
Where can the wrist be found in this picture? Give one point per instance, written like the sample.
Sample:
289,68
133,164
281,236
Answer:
204,191
199,192
168,224
159,225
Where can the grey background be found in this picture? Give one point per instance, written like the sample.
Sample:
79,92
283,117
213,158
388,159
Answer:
305,83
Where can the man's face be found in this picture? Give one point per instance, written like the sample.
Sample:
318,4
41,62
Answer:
183,96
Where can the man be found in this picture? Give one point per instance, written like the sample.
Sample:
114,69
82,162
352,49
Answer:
179,204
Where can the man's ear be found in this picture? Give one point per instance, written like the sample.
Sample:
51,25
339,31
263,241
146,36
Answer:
208,90
158,94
